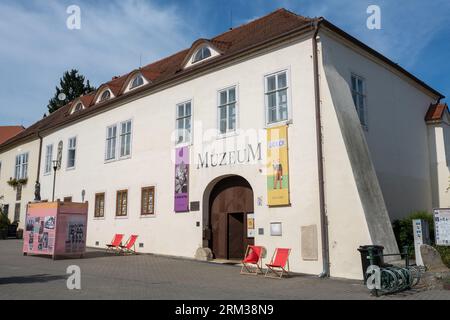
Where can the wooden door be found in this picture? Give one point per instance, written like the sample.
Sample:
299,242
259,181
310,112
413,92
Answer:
230,201
236,231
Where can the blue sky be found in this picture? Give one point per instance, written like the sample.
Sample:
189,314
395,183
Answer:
37,47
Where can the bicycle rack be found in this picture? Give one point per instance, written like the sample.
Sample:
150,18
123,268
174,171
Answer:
395,279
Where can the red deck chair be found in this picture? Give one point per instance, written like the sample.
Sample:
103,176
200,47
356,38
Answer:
252,263
129,246
115,243
279,264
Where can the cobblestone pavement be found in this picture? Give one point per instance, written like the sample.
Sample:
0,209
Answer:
154,277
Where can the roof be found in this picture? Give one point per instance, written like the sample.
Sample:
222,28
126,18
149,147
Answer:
278,25
7,132
436,112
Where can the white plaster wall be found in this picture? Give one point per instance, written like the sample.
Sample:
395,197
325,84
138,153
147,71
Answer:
152,150
439,144
347,225
151,162
396,132
8,160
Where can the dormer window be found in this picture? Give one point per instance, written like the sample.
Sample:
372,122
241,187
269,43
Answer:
78,107
106,95
137,82
200,51
201,54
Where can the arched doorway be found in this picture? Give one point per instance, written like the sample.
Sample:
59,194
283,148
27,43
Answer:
230,200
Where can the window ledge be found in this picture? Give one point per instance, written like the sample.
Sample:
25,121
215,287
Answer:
99,218
117,159
124,158
121,217
110,160
147,216
279,123
227,135
184,144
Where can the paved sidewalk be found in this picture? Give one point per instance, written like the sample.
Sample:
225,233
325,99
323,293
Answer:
154,277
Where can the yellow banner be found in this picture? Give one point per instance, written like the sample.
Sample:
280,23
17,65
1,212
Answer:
277,167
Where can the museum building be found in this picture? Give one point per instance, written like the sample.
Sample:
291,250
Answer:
283,132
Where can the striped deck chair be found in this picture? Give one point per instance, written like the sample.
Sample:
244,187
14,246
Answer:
279,264
252,263
129,246
115,243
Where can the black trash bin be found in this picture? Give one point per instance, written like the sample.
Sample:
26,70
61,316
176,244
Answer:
378,260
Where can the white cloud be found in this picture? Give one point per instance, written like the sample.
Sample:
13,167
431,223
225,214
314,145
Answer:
37,47
408,27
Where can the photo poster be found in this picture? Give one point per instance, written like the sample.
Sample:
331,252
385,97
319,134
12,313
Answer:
277,167
442,226
181,194
75,241
40,234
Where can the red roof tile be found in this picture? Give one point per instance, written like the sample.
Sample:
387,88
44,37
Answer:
258,32
7,132
436,112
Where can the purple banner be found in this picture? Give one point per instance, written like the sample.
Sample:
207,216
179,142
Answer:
181,179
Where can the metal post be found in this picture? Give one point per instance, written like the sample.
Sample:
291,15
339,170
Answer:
406,250
55,167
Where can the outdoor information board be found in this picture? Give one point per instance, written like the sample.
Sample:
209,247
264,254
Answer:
442,226
56,229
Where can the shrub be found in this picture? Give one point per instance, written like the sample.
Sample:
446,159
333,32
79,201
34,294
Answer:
403,229
445,254
4,221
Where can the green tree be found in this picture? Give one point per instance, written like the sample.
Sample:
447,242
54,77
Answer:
71,86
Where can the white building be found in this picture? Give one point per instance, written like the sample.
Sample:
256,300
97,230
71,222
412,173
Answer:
335,181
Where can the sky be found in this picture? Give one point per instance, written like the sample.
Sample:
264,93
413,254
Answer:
117,36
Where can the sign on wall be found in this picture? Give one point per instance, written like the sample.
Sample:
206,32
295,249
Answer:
442,226
277,167
181,179
250,225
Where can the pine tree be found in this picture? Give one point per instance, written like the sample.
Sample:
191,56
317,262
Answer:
72,86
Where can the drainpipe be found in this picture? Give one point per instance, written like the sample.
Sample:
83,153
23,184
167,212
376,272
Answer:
323,214
39,159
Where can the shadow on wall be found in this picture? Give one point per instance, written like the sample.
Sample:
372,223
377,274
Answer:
447,145
37,278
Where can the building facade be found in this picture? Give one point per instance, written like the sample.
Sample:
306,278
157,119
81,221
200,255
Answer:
284,132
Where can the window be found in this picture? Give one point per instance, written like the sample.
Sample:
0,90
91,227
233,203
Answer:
121,203
111,139
99,205
201,54
21,167
19,192
183,120
359,98
48,159
227,110
276,91
6,209
17,212
125,138
105,95
137,81
148,201
71,152
78,107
